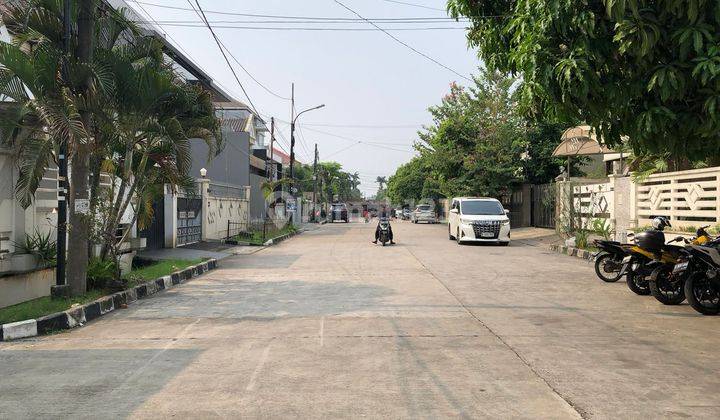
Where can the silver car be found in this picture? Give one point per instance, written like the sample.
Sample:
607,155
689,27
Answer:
423,213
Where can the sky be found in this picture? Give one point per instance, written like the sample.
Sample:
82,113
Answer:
374,89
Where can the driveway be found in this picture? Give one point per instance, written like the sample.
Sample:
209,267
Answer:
328,325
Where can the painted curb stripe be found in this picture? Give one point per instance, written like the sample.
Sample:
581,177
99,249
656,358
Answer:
78,316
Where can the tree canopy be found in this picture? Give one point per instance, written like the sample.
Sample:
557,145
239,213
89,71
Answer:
649,70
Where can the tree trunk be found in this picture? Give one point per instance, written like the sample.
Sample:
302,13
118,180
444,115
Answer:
77,260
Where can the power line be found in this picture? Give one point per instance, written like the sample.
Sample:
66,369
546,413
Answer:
222,45
216,12
403,43
217,41
414,5
283,28
364,125
327,21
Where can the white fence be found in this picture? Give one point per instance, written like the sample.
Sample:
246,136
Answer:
690,199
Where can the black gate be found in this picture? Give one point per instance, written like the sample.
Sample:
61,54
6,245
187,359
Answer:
514,203
542,212
155,233
189,220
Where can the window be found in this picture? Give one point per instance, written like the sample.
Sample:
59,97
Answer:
485,207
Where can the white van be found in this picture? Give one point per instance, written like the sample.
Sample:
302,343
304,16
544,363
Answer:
478,219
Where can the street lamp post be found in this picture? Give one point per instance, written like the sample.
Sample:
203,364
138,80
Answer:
293,120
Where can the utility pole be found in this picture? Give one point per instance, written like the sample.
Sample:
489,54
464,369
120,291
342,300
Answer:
272,148
62,167
315,162
292,134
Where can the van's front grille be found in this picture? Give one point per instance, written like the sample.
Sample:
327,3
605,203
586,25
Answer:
486,229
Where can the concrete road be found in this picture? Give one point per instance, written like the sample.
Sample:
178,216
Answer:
326,325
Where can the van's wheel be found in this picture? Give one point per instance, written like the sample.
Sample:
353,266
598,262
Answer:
450,234
457,236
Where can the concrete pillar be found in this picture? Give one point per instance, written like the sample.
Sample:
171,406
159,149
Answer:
204,185
170,213
623,206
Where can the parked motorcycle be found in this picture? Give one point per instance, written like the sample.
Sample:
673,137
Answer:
609,260
701,270
645,255
667,284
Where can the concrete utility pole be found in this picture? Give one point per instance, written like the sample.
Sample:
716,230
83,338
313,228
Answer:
271,166
292,132
315,162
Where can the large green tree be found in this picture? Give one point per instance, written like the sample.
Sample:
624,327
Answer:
646,69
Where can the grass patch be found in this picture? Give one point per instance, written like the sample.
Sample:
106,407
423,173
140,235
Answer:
160,269
256,237
37,308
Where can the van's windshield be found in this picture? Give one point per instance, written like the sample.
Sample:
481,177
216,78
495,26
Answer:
481,208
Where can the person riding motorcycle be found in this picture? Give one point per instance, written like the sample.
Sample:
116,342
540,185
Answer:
377,231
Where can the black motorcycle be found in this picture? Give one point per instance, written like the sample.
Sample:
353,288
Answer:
701,270
609,260
666,284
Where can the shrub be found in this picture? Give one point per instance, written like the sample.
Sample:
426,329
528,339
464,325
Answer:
581,238
100,272
42,246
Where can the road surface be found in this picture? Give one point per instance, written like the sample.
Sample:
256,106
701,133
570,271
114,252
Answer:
326,325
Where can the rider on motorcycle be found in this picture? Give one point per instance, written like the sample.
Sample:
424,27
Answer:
377,231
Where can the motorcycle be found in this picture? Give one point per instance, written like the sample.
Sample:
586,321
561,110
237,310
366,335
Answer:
701,270
384,236
645,254
667,284
609,260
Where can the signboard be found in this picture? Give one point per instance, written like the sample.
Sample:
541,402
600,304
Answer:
82,206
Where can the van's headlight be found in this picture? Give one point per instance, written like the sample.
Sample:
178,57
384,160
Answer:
505,222
465,221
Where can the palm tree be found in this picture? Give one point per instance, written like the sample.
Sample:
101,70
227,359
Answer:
124,110
381,181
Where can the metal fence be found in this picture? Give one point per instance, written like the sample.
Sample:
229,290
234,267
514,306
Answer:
256,232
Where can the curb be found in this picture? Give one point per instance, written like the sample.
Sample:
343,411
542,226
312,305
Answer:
583,254
79,315
282,237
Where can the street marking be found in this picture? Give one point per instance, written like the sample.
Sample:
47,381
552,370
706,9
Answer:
258,368
322,330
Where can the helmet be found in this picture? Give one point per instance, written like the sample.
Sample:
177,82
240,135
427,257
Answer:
661,223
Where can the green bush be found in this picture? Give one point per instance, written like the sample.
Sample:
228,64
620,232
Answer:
42,246
100,272
581,238
601,227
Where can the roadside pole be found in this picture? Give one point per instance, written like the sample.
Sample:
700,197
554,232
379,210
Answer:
315,162
61,239
271,163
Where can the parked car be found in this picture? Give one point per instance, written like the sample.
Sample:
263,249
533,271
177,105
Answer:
478,219
339,211
405,214
423,213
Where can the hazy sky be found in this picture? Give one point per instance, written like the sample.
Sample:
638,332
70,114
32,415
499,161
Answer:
363,77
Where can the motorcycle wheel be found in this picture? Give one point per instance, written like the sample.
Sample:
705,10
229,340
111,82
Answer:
600,268
702,294
638,284
663,289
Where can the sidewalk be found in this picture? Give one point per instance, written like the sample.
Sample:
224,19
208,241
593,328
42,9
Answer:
200,250
205,250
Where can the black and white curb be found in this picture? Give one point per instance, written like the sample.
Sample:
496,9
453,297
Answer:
79,315
583,254
282,237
